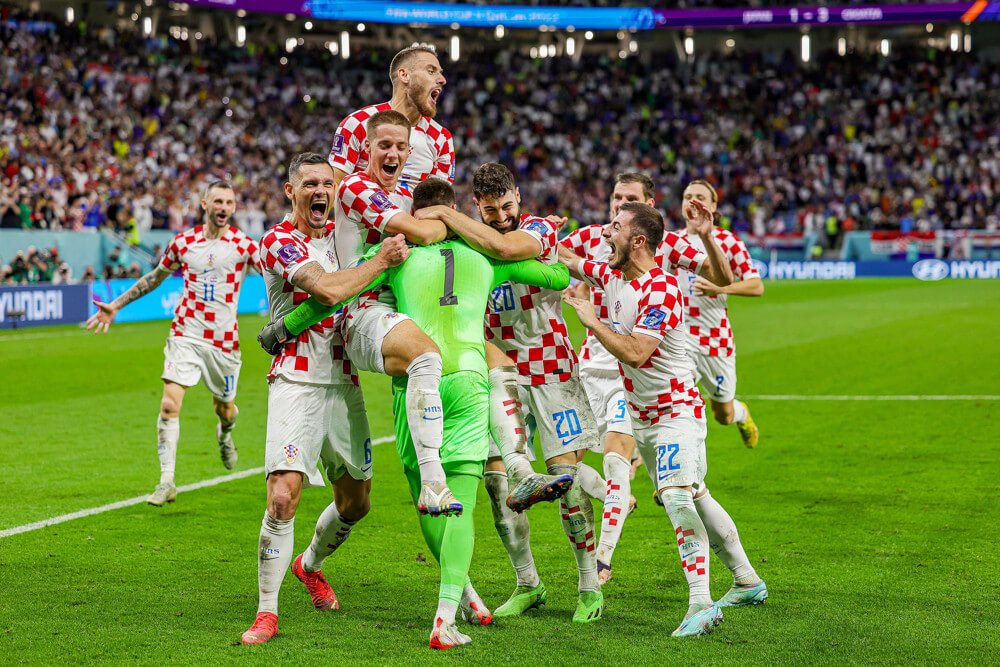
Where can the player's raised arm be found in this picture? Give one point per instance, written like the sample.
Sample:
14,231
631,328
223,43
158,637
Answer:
101,320
716,269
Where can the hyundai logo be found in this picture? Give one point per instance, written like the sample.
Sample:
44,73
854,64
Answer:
930,269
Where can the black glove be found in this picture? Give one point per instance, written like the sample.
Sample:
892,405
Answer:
273,336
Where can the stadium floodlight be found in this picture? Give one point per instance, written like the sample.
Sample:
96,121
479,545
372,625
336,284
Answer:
689,45
361,27
345,45
147,26
954,40
308,25
589,35
70,15
454,48
806,44
333,47
842,46
730,43
134,17
241,35
498,32
633,46
929,27
968,42
570,46
533,52
884,47
239,12
290,44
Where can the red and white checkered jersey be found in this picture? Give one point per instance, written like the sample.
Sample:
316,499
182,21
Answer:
432,151
707,317
673,253
527,323
652,305
361,212
213,270
317,354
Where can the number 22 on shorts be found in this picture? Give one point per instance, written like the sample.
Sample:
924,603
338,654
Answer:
665,464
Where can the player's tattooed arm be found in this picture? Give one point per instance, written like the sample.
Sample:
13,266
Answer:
106,311
510,247
333,289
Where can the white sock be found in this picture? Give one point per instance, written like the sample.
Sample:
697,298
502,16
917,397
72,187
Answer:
332,530
725,540
739,412
590,482
507,421
619,488
446,611
513,529
425,414
229,424
168,432
577,516
692,543
274,555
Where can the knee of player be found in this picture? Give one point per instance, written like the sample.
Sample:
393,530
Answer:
723,413
169,408
282,504
355,509
677,498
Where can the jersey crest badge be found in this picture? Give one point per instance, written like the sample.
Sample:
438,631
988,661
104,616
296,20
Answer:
289,254
654,318
379,201
338,145
618,310
291,452
331,258
211,259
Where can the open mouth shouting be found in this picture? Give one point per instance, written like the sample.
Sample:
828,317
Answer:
434,95
221,218
389,170
319,208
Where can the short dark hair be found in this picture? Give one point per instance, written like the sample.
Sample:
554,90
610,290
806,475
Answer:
387,117
648,187
294,173
492,180
217,184
647,221
433,192
401,59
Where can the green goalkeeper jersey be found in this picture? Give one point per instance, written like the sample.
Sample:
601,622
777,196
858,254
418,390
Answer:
445,288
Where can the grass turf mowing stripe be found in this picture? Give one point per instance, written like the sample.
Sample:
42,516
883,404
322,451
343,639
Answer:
873,397
90,511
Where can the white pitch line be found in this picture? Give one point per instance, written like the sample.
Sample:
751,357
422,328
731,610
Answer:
215,481
905,397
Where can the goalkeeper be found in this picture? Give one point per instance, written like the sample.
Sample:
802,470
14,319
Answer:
445,288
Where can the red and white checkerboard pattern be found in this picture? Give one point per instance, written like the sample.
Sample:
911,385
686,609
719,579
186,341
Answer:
361,212
530,327
316,355
213,271
707,316
432,151
673,253
581,540
691,562
653,306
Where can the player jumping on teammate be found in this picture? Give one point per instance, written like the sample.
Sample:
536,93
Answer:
204,343
667,412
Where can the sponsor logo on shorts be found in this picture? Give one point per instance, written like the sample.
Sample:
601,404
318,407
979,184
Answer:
432,413
289,254
568,440
291,452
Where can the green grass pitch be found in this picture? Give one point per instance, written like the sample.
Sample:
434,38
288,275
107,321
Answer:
874,523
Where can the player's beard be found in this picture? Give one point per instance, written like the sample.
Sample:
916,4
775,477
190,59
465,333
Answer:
213,217
420,98
620,258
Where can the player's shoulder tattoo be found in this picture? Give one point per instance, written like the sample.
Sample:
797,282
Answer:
307,277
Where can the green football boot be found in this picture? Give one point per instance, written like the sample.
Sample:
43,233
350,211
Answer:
521,600
589,607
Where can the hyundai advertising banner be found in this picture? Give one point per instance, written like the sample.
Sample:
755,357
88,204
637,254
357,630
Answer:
31,305
925,269
160,303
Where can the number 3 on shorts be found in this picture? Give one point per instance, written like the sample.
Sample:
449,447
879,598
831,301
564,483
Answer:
665,460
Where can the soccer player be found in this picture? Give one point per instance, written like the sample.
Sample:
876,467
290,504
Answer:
204,342
445,288
527,324
599,368
315,410
707,317
417,81
667,411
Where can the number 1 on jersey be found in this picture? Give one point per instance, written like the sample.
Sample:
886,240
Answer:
449,298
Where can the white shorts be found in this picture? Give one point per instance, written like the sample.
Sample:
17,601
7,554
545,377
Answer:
365,329
606,394
187,363
560,414
717,376
673,451
312,423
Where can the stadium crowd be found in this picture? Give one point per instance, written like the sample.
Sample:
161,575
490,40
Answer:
99,130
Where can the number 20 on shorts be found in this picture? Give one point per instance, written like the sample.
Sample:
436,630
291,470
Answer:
665,464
